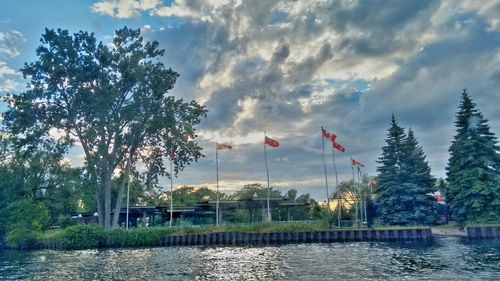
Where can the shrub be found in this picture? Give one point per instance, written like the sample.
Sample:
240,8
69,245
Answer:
26,220
81,237
65,221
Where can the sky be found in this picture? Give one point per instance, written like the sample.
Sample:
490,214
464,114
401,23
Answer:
290,67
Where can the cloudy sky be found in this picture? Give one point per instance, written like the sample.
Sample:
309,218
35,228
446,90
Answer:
289,67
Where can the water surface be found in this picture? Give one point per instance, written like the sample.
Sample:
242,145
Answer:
443,259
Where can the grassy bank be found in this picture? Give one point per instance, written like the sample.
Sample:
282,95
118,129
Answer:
93,236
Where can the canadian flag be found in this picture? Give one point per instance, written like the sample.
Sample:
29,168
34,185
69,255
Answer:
221,146
271,142
328,135
338,147
354,163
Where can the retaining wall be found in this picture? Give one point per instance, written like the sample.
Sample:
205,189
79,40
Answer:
483,232
257,238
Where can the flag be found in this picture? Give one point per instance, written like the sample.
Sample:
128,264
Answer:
354,163
271,142
172,155
223,146
338,147
333,137
325,133
328,135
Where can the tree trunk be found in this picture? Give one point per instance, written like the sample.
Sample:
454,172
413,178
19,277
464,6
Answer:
119,197
100,215
107,199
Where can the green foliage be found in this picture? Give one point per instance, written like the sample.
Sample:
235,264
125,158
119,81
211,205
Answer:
65,221
189,196
473,190
112,100
94,236
42,178
441,186
80,237
404,181
26,219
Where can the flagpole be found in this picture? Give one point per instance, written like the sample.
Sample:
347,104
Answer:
336,186
354,188
128,190
326,177
360,195
362,207
268,186
217,202
128,199
171,192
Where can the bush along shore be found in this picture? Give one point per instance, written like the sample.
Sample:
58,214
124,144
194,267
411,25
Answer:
93,236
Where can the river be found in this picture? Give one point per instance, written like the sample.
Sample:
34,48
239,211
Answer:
442,259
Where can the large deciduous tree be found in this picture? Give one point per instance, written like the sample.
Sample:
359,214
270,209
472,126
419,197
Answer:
473,189
112,100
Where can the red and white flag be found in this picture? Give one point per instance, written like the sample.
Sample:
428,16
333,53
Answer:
271,142
328,135
338,147
356,163
221,146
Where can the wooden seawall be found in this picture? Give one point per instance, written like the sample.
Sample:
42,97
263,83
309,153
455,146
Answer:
274,238
483,232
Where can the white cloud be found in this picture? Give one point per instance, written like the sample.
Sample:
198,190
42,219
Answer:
11,43
5,70
490,10
291,66
124,8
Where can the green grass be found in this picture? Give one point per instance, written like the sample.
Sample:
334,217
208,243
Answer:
93,236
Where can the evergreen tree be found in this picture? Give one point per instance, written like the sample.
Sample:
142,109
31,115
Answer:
391,199
419,174
473,179
405,181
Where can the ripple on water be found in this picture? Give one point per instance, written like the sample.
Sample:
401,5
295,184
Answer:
444,259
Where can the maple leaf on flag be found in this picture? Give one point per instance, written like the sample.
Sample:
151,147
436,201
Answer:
338,147
328,135
271,142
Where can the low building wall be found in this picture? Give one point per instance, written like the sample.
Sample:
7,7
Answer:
257,238
480,232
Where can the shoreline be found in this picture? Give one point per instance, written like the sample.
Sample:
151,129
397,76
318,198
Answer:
95,238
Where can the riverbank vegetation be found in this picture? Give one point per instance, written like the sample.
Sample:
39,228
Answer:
93,236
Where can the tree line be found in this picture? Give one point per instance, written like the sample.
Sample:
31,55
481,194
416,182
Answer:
472,187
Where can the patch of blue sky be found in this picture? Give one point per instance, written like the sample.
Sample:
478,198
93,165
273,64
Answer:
360,85
279,17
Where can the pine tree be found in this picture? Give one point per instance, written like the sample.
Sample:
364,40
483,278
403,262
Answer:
419,174
405,181
391,196
473,168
